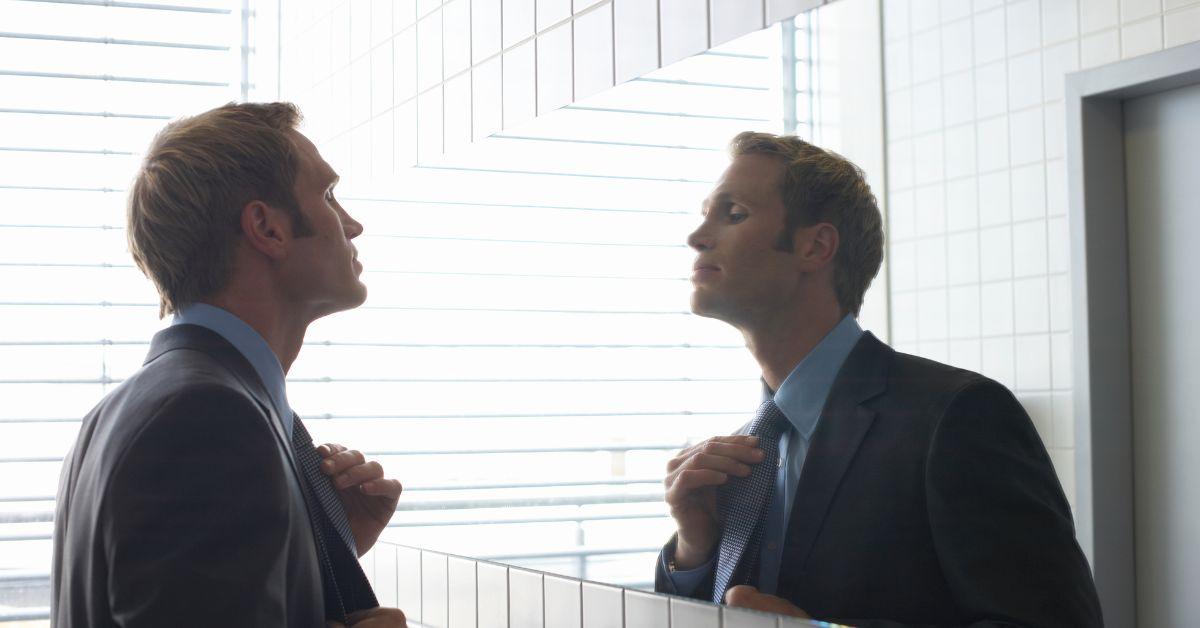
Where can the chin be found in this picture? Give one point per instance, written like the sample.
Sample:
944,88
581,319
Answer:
704,306
358,297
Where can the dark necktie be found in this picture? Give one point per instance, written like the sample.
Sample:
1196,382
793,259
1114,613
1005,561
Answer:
743,501
347,587
321,484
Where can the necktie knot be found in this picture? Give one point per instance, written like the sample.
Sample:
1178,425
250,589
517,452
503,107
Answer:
769,422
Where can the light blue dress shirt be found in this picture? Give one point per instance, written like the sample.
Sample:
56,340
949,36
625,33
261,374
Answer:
250,344
801,397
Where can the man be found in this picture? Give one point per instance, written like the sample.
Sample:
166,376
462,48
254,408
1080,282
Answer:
871,486
193,495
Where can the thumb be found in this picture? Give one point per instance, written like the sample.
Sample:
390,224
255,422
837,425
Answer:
747,596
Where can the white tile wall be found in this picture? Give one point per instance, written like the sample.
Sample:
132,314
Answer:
603,606
435,590
408,580
1181,27
1002,230
520,92
439,590
551,12
492,600
334,60
517,21
741,618
730,19
635,45
554,87
464,593
486,40
646,610
694,614
683,29
564,604
593,58
486,98
526,605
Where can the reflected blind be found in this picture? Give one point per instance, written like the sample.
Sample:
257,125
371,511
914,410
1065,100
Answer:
525,362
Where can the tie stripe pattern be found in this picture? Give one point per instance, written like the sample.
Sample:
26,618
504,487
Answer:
742,502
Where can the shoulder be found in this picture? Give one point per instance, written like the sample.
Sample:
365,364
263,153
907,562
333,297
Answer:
961,406
934,385
181,399
176,380
201,436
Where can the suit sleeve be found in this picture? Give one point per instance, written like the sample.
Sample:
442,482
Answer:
196,518
1001,525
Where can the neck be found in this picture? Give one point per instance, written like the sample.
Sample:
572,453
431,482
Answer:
283,330
780,342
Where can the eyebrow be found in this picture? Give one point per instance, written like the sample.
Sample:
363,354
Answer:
723,198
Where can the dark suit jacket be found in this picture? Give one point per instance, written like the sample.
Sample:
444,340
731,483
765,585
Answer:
927,498
181,504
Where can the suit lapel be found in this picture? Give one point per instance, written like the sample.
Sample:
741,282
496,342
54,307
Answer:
844,423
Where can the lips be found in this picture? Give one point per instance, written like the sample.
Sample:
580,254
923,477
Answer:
702,271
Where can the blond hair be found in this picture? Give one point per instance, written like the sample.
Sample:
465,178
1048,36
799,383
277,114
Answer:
821,186
184,209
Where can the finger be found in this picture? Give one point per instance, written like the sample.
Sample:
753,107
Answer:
357,475
690,480
329,449
746,596
742,595
716,441
710,452
342,460
383,488
393,614
741,452
727,466
718,463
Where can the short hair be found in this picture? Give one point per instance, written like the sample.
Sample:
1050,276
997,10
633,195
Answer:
819,185
184,209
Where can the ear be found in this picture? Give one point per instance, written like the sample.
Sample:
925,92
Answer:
815,246
266,229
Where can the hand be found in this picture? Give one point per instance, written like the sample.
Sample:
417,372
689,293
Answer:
378,617
692,480
746,596
369,499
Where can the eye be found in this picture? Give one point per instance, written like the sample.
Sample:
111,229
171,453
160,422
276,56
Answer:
329,195
737,215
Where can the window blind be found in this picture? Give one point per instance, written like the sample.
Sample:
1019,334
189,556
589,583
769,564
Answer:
84,85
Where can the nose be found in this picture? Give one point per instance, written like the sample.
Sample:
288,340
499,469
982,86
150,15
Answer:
350,226
700,239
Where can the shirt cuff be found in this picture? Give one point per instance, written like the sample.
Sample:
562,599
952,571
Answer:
685,581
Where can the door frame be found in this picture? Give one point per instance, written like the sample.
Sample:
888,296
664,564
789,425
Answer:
1101,325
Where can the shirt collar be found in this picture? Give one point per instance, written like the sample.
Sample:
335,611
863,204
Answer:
249,343
802,394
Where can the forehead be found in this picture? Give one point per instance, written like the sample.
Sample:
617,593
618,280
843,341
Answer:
309,161
754,178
